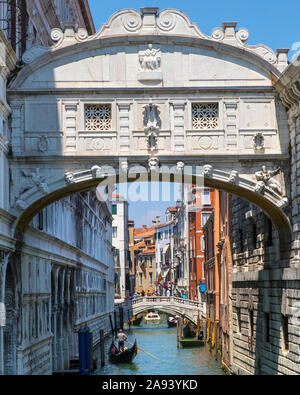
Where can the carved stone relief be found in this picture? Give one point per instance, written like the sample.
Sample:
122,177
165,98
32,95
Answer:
265,178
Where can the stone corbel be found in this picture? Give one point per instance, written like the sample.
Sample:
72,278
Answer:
234,177
153,164
283,203
207,171
180,166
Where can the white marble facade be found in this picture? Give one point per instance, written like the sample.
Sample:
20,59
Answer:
150,88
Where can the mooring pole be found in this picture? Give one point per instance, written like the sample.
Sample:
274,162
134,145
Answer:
102,354
177,328
111,325
81,347
87,351
115,317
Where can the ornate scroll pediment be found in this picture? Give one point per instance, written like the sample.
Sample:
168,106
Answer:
152,22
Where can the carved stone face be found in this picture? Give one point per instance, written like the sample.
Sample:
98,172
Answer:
207,170
153,163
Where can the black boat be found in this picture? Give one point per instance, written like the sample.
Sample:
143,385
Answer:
125,356
137,321
172,321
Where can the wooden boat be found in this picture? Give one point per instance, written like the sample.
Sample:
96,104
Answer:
136,321
152,317
191,342
126,356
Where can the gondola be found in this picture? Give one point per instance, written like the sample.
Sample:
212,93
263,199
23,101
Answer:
172,321
125,356
137,321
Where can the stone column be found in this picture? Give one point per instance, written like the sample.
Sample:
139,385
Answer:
3,265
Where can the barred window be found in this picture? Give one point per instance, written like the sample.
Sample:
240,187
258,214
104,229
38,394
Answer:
98,117
205,116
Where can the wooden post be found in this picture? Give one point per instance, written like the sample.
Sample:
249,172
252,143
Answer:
129,319
115,317
91,350
216,341
102,354
111,326
181,327
204,330
177,328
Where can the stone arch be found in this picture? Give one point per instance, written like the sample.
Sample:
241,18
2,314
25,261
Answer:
243,186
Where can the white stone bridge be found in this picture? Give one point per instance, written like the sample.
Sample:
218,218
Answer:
170,304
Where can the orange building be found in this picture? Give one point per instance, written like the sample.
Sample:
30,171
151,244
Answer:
199,211
144,257
217,266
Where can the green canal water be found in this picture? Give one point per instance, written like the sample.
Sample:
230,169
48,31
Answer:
161,342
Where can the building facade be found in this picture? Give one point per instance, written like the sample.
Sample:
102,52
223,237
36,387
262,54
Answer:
107,113
164,254
64,276
199,211
144,256
29,22
120,241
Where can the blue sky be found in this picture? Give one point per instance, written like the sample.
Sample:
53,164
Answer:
273,23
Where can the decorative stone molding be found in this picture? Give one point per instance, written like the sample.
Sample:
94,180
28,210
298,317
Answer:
153,164
229,35
283,203
266,177
151,22
96,171
234,177
152,124
180,166
34,52
260,187
258,141
43,144
124,166
150,60
30,181
69,178
207,171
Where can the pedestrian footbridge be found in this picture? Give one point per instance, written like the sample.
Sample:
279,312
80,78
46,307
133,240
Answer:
171,305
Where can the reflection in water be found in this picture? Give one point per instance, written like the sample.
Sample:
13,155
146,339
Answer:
161,342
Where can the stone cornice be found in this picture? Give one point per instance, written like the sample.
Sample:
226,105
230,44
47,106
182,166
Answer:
288,85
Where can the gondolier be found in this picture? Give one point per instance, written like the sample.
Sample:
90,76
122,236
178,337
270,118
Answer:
121,337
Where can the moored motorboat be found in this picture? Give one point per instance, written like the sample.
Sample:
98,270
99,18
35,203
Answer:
152,317
120,357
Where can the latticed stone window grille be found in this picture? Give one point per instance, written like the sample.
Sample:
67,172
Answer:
98,117
205,115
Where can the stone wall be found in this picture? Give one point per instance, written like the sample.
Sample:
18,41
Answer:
265,328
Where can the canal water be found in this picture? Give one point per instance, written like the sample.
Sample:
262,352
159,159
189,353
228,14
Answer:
160,341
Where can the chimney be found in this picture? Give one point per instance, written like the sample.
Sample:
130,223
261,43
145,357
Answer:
157,219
